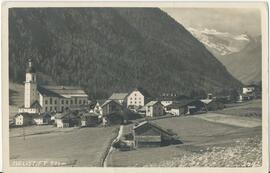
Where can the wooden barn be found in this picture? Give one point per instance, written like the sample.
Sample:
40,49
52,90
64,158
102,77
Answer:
148,134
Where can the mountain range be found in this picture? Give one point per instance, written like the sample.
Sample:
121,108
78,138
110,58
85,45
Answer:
240,53
107,50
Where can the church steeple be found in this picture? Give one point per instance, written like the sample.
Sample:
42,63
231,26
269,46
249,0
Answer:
30,86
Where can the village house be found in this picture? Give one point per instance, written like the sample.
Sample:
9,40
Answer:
42,119
196,107
119,97
23,119
167,98
95,106
148,134
153,109
212,104
185,107
68,119
248,89
138,98
111,107
39,98
89,119
176,109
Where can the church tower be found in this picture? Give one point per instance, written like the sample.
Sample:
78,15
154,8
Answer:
30,86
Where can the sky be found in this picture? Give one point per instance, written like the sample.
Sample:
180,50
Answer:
233,20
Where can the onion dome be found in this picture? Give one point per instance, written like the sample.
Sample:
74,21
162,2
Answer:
30,68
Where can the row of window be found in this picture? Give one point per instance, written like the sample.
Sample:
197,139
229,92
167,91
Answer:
51,108
67,101
134,102
135,98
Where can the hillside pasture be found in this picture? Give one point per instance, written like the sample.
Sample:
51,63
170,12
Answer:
73,146
204,141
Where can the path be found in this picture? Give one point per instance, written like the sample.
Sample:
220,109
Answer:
120,132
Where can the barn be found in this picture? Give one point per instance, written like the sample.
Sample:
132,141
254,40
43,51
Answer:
148,134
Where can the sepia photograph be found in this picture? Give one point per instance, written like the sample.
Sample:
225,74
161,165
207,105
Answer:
154,86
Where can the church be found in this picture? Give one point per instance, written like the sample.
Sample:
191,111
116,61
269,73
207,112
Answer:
39,99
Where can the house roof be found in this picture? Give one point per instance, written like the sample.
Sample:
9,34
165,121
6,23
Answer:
36,105
206,101
109,101
62,91
118,96
151,103
142,91
161,129
180,103
42,115
90,114
25,114
64,115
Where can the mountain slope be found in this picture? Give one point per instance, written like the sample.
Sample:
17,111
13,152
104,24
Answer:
246,64
240,53
105,50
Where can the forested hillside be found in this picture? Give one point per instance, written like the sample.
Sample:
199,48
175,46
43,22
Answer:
106,50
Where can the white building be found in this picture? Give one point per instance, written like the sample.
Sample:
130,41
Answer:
248,89
138,98
154,108
39,99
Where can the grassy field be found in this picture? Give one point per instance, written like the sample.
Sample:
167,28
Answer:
251,108
73,146
201,140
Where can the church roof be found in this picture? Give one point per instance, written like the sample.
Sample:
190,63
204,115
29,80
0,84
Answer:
62,91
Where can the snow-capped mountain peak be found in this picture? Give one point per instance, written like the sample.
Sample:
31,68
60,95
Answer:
220,43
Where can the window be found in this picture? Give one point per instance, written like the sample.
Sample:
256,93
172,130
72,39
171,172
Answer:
135,102
50,108
130,102
46,102
139,102
80,102
62,109
84,102
50,100
55,108
75,100
135,94
46,109
67,102
135,98
62,101
71,102
55,101
130,98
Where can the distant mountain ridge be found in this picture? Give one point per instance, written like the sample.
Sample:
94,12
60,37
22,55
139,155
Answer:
246,65
107,50
240,53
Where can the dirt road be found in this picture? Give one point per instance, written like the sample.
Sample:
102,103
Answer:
120,132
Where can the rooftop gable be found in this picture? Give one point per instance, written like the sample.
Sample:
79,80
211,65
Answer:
118,96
